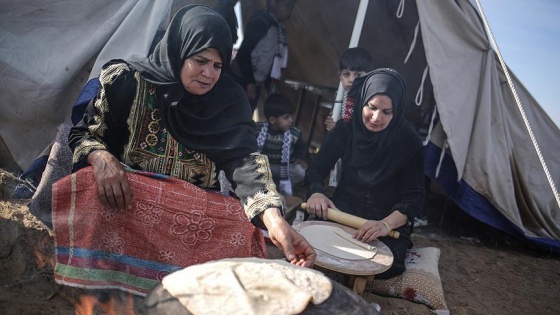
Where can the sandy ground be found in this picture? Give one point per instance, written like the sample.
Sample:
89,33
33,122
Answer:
483,271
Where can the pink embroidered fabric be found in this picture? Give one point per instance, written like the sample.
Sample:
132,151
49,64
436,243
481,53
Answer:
172,225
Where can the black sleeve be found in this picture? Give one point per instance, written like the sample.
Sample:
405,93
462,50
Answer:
412,188
104,126
300,147
320,165
252,182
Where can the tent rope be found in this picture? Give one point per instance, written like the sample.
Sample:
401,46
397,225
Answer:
441,156
420,94
520,106
413,44
400,10
431,128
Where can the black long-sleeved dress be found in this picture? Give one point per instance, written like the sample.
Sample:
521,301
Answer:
404,192
124,119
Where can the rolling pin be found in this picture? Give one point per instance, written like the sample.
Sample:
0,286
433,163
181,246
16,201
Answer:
350,220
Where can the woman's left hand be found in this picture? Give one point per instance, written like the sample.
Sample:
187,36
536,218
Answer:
110,177
295,247
370,231
329,122
300,162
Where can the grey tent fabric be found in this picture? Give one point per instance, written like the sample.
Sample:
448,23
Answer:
482,124
50,49
58,166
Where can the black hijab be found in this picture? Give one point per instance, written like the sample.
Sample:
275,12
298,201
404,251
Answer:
376,156
218,123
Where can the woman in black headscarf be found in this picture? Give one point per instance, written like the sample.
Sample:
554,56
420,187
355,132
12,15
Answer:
175,113
382,166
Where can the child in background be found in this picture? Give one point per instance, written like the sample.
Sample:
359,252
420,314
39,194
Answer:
353,63
264,50
282,143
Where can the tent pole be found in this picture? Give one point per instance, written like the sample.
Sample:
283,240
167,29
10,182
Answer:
354,40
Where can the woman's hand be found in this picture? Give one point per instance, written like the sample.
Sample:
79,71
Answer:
112,184
294,246
318,205
300,162
371,230
329,122
251,91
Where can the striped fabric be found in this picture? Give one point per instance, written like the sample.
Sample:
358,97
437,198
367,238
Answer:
171,225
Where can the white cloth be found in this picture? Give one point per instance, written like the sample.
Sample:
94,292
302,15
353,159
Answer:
262,56
280,62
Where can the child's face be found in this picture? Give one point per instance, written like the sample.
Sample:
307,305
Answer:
282,123
347,77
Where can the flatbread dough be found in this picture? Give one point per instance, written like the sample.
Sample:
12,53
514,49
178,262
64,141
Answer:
328,239
248,286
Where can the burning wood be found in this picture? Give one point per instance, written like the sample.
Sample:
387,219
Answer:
111,302
43,249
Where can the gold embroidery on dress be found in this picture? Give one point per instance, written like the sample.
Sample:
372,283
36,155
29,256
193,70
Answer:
151,139
264,170
155,114
170,160
85,147
153,127
263,200
106,77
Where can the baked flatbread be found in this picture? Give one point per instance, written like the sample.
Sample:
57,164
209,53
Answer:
247,286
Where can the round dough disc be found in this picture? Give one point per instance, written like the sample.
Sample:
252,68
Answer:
327,239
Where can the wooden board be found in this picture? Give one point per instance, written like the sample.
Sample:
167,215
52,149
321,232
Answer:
378,264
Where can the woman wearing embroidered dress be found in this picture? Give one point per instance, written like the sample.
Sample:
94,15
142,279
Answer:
175,113
382,166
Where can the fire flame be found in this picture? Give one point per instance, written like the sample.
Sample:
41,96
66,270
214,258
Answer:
44,259
111,302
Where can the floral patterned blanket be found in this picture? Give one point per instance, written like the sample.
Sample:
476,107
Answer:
172,224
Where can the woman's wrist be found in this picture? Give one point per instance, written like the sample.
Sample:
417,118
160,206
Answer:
386,225
271,218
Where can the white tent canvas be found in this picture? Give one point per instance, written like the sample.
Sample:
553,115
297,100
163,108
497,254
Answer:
483,126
